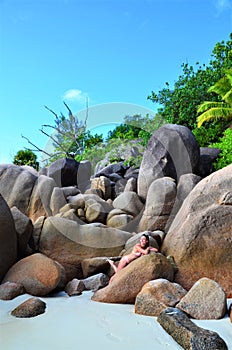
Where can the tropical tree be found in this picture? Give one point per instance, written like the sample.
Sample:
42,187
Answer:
212,110
26,157
179,101
137,127
68,138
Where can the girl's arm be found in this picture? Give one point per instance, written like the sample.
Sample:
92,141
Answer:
138,249
146,251
152,249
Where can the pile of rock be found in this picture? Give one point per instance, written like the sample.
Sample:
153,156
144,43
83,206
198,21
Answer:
59,225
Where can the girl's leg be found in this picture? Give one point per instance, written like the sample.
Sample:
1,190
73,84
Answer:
112,264
122,263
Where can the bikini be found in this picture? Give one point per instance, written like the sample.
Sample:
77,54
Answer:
136,253
133,252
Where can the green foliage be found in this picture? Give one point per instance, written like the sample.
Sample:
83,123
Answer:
91,140
212,111
114,151
26,157
93,154
98,152
144,136
70,137
179,105
124,131
225,144
137,127
209,133
134,128
134,162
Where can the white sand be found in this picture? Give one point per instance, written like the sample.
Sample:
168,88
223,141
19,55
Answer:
79,323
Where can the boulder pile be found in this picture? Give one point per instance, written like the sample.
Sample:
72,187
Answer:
59,226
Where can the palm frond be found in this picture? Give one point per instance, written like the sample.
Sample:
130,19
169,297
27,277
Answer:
221,87
214,114
205,106
228,97
229,75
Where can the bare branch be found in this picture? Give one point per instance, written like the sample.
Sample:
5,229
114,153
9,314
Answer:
47,159
69,110
38,149
87,111
32,150
54,140
54,127
50,110
68,130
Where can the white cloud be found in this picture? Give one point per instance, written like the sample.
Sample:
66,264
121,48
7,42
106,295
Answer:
75,95
222,5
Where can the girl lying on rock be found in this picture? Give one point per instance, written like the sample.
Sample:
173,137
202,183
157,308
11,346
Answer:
142,248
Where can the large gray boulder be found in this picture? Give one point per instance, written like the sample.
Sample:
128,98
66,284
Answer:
16,185
57,200
206,300
160,200
171,151
63,171
103,184
93,208
187,334
40,198
69,243
24,229
207,156
200,237
69,172
118,218
129,202
8,238
185,185
107,170
83,175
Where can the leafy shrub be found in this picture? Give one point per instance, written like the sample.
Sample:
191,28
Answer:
225,144
114,151
209,133
26,157
93,154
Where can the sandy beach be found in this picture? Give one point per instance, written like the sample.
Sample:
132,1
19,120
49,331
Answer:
79,322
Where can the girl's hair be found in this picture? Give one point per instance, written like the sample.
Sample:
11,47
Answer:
147,237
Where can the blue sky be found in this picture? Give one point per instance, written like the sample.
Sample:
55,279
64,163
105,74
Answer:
111,51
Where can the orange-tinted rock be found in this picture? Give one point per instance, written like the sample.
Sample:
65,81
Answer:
200,237
37,273
128,282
